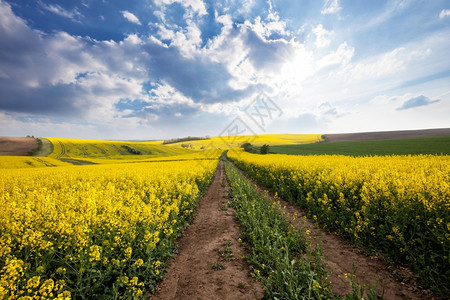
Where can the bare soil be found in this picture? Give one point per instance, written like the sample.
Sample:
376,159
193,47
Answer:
199,271
76,162
342,257
385,135
17,146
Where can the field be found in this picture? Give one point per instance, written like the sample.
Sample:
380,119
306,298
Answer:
96,230
17,162
428,145
75,148
227,142
17,146
109,229
375,201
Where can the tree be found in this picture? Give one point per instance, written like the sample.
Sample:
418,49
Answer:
264,149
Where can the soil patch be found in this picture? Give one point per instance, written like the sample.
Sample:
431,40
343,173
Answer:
76,162
210,262
385,135
342,257
17,146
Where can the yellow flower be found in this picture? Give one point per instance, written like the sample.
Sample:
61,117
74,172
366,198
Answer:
139,263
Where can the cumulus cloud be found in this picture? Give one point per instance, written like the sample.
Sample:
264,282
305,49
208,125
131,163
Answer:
130,17
57,74
322,35
192,7
61,74
342,55
444,13
196,59
417,102
330,7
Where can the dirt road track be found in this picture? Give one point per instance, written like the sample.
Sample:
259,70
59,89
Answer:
342,257
191,274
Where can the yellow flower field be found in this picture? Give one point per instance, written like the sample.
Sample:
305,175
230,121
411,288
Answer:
77,148
199,156
93,231
16,162
235,141
398,204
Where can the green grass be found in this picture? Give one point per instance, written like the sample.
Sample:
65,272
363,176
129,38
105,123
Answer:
45,148
281,258
431,145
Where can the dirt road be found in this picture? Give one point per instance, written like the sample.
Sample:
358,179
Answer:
342,257
210,263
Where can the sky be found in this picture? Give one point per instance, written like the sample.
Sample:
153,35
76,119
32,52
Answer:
159,69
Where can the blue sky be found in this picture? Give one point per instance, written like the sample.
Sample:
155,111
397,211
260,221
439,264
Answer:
154,69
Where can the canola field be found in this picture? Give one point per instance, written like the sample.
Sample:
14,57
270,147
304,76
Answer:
397,204
99,231
236,141
16,162
77,148
107,230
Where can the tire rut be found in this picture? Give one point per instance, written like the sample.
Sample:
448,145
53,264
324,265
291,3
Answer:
199,271
342,256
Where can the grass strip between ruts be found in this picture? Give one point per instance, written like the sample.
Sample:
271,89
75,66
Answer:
281,257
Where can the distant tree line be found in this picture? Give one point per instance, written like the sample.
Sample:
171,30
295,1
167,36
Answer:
185,139
264,149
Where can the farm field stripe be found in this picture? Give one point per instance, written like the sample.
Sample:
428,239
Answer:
343,258
94,232
281,258
210,263
398,205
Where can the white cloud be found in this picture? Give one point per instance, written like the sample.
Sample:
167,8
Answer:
57,9
192,6
272,24
164,94
342,55
444,13
130,17
330,7
383,99
187,39
174,72
389,63
322,35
